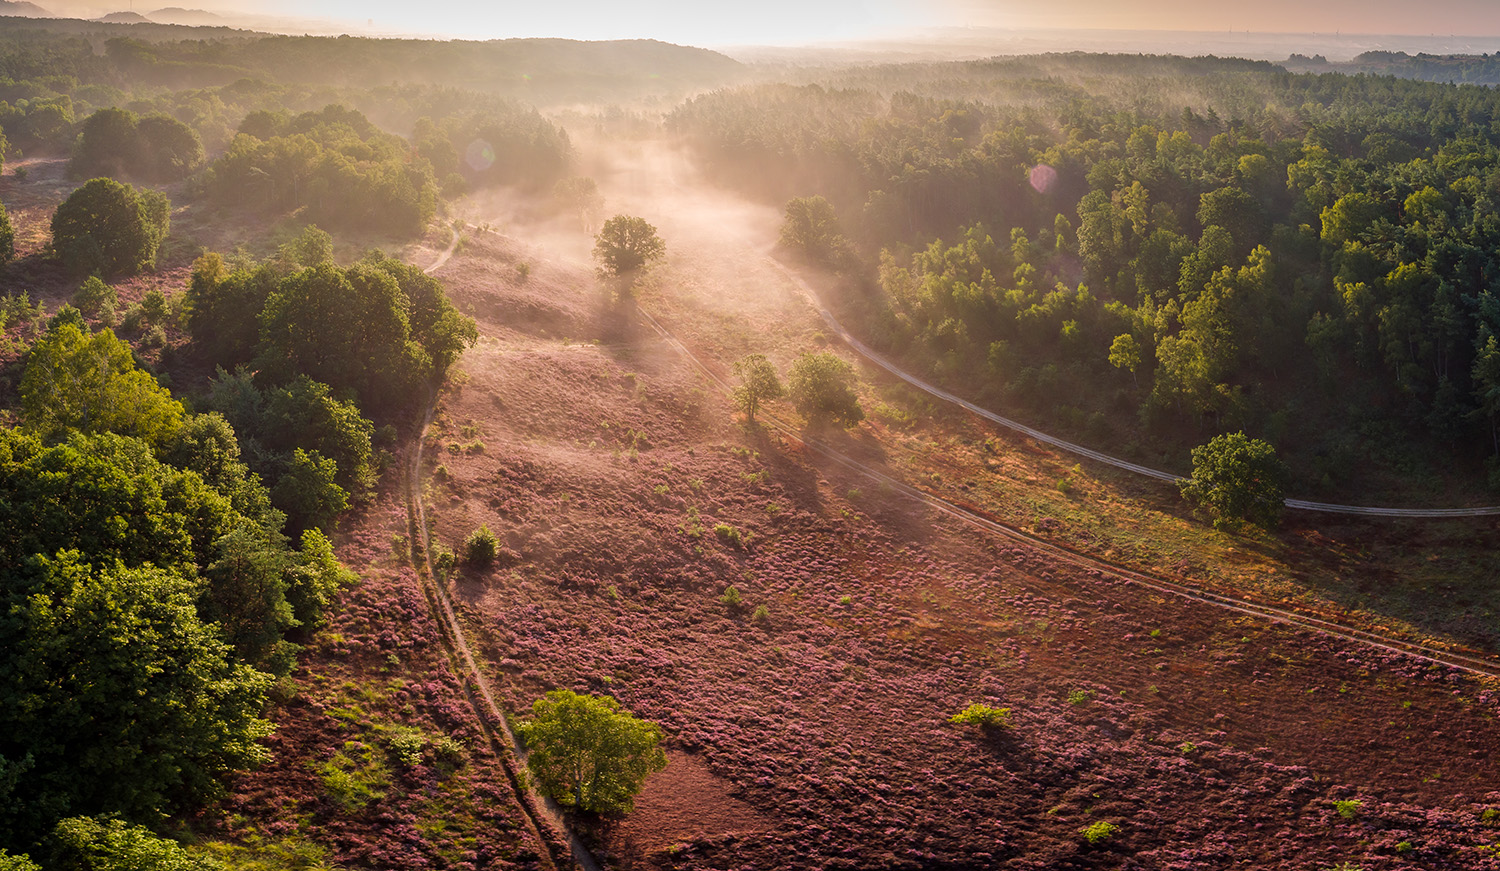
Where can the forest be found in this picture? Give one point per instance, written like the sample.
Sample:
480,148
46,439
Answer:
226,633
1179,247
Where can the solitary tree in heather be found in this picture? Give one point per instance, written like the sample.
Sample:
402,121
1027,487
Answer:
625,246
758,383
1238,478
587,753
822,387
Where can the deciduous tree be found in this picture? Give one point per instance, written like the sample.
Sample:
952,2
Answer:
587,753
110,228
625,246
822,388
758,383
1238,478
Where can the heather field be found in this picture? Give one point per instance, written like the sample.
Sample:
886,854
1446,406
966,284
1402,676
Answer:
807,723
378,760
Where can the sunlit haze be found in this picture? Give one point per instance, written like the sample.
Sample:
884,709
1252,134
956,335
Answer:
784,22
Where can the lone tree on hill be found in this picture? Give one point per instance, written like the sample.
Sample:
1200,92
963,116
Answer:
110,228
587,753
822,387
1238,478
625,246
758,383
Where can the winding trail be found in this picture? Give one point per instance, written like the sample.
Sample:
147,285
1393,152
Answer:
543,815
1062,444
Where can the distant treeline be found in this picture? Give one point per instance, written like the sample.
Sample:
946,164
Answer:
538,71
1150,250
1471,69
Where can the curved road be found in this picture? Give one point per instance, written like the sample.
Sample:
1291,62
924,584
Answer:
1299,504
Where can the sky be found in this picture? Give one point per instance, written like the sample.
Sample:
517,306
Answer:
784,22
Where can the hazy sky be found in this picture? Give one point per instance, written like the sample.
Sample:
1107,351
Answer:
719,22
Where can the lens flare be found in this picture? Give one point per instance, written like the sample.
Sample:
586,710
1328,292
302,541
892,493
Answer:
1043,177
479,155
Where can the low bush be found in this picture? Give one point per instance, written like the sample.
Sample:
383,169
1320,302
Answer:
983,716
481,548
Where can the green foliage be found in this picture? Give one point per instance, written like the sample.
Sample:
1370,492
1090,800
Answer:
810,226
17,863
89,382
313,576
822,389
1099,832
379,328
762,614
1348,808
246,595
85,844
731,596
115,142
587,753
983,716
7,237
355,776
110,228
94,295
481,548
107,497
344,171
1238,478
223,307
759,383
308,492
305,414
626,245
118,699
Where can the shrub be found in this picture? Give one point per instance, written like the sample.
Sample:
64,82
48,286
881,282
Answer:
481,548
355,776
1348,808
761,615
728,534
983,716
1100,832
93,295
731,596
406,745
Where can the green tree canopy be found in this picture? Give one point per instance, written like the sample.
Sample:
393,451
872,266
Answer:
758,383
114,696
1238,478
822,388
812,227
625,245
89,382
587,753
110,228
88,844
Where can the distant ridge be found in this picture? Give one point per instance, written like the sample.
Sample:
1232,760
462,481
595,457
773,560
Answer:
123,18
23,9
190,17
